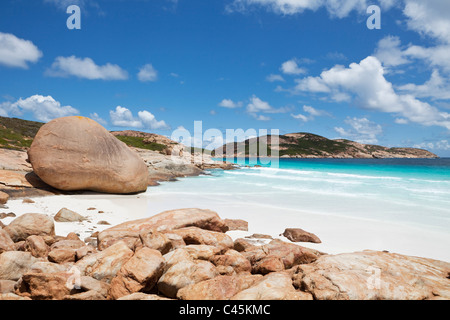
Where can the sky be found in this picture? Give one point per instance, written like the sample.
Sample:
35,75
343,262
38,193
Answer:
291,65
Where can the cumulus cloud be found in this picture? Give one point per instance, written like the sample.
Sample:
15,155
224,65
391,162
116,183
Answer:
257,105
436,88
16,52
436,145
291,67
230,104
389,52
96,117
429,17
85,68
311,114
147,73
43,108
274,78
123,117
365,84
361,130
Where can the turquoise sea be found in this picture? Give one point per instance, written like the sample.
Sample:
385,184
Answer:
410,194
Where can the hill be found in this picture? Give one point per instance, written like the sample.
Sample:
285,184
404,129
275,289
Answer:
308,145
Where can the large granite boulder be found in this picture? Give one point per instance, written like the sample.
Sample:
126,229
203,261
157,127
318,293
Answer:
77,153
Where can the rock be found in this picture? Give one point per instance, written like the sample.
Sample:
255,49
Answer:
267,265
236,224
231,259
66,215
72,236
76,153
3,197
87,295
30,224
13,264
140,273
68,244
156,240
28,200
219,288
202,252
91,284
259,236
300,235
241,244
84,251
274,286
105,223
143,296
164,221
185,273
105,265
62,255
12,296
290,255
36,246
46,286
48,267
194,235
7,286
175,240
6,244
371,275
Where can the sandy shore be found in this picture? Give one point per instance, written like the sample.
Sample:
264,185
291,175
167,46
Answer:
338,234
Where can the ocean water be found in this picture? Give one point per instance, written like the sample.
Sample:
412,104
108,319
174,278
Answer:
407,193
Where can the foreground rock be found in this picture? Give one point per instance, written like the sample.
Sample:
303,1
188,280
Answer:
165,221
371,275
30,224
141,272
3,197
76,153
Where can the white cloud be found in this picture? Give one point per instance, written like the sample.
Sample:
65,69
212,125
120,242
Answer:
361,130
366,85
85,68
274,78
96,117
336,8
401,121
257,105
228,103
437,145
435,56
16,52
43,108
147,73
436,88
123,117
261,117
389,52
429,17
291,67
312,113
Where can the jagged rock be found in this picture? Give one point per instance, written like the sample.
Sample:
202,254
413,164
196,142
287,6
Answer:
62,255
77,153
236,224
66,215
231,262
6,244
219,288
164,221
12,296
7,286
13,264
91,284
30,224
155,240
194,235
184,273
87,295
300,235
372,275
141,272
36,246
105,265
3,197
46,286
274,286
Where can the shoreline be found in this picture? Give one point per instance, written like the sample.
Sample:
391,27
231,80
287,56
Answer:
338,234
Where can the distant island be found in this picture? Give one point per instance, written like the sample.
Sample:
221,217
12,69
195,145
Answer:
18,134
308,145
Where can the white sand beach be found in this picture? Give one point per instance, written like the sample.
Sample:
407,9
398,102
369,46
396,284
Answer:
338,234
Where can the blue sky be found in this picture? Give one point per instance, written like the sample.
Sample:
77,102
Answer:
292,65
